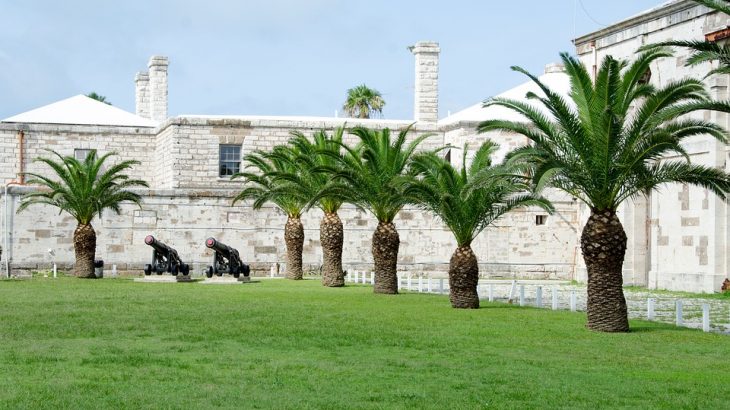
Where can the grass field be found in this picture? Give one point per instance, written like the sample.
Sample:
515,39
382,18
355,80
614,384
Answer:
71,343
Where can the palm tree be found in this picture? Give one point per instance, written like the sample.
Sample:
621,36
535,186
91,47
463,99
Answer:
363,101
93,95
468,200
84,190
262,186
703,51
606,145
321,152
373,174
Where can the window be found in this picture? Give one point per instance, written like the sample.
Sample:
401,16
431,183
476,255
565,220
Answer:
81,154
540,219
230,160
447,157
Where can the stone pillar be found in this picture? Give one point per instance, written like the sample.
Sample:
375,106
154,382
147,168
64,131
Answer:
158,87
427,76
142,94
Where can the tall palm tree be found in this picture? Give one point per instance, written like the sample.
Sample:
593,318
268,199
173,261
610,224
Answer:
608,144
93,95
321,152
703,51
468,200
84,190
363,101
373,174
262,186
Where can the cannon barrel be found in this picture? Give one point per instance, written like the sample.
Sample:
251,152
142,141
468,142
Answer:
159,246
212,243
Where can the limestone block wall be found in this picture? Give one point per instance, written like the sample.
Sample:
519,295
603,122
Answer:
130,143
192,143
427,73
184,218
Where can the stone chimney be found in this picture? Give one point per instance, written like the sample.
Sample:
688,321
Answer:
427,81
158,87
142,94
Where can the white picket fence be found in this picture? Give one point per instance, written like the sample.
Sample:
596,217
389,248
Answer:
564,296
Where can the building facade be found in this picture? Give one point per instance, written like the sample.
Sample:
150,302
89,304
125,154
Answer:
678,238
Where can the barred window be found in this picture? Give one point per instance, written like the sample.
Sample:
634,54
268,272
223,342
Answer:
81,154
230,160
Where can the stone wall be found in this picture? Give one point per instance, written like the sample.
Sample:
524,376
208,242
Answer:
191,144
184,218
130,143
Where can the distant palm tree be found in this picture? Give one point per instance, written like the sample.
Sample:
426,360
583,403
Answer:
363,101
607,145
262,186
373,173
84,190
703,51
97,97
468,200
314,155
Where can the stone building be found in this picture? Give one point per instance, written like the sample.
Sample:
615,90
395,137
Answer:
187,161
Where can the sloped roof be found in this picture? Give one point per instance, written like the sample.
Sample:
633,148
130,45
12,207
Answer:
554,78
81,110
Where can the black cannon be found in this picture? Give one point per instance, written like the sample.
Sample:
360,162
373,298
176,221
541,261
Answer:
225,260
164,259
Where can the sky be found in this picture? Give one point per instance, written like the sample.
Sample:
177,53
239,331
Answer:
283,57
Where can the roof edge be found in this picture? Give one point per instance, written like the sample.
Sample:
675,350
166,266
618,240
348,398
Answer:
651,14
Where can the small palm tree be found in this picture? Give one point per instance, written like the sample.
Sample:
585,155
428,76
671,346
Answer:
84,190
703,51
363,101
262,187
93,95
610,145
372,175
321,152
468,200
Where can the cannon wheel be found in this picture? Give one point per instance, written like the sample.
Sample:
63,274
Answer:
219,273
185,270
237,272
209,272
147,269
174,270
246,269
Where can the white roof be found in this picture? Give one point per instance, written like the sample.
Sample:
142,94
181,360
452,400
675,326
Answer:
555,79
81,110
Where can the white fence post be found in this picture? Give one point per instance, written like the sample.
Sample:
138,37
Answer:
650,309
428,287
706,317
441,286
420,283
555,298
522,295
372,278
272,271
491,292
680,319
538,296
573,301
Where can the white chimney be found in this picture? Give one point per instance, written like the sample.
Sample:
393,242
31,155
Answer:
142,94
158,87
427,77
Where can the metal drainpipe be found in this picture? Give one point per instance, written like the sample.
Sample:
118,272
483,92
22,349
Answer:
20,181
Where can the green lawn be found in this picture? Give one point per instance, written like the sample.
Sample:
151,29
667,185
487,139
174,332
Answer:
72,343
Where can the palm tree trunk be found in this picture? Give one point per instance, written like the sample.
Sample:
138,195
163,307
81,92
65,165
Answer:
85,249
463,278
294,238
603,244
385,257
331,236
